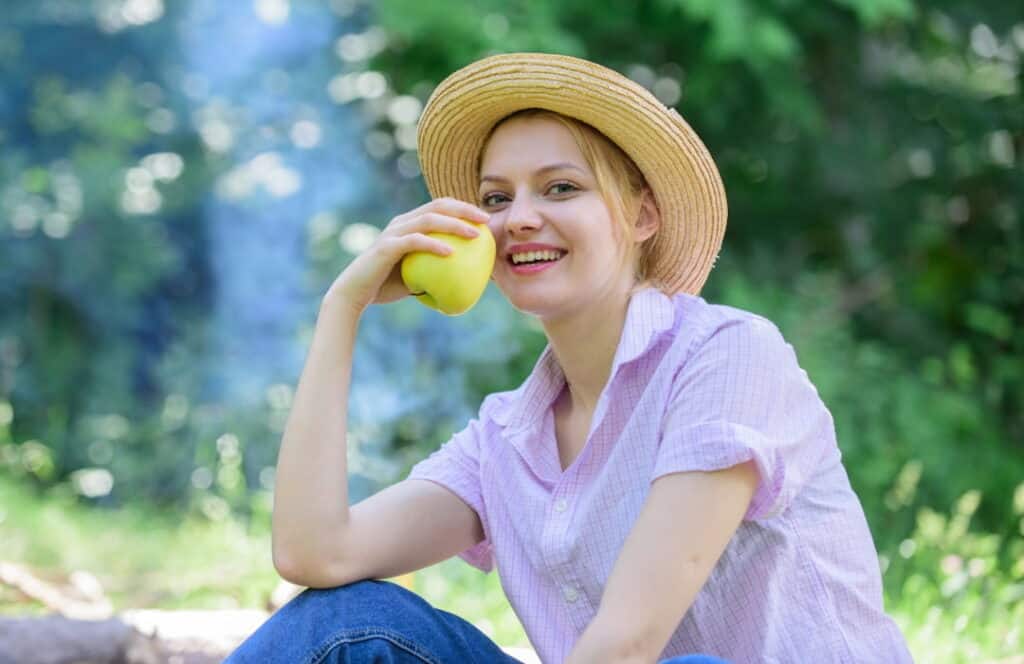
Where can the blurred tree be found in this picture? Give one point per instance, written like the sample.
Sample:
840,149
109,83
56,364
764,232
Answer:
100,260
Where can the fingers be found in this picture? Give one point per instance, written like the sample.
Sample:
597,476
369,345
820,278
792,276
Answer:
435,221
432,222
410,231
456,208
440,223
400,245
451,207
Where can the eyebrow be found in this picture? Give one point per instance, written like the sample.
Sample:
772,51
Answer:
540,171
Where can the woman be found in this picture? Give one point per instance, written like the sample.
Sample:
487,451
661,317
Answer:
665,482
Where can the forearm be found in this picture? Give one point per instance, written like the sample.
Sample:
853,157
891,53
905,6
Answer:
311,482
605,642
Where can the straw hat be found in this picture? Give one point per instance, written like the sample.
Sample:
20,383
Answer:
686,184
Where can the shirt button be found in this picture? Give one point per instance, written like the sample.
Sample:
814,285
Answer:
561,505
570,593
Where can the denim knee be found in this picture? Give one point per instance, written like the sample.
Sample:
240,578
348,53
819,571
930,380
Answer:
359,604
317,616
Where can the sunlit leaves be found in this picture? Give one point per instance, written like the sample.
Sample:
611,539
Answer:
111,114
875,12
740,30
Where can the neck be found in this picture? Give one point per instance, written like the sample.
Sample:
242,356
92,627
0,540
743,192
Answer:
584,345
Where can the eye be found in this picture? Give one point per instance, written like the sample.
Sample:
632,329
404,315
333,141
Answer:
569,187
489,199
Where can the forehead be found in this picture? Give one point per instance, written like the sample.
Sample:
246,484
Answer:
526,143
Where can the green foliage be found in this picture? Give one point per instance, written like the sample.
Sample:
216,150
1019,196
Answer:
142,557
739,30
873,13
957,591
897,459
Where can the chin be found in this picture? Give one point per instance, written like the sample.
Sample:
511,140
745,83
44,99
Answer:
530,299
542,301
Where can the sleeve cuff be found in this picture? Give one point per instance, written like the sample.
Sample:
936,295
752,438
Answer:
717,445
480,555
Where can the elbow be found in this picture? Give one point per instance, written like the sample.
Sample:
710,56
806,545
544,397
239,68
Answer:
307,571
288,568
290,565
307,556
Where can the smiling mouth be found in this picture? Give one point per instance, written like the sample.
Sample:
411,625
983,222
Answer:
509,260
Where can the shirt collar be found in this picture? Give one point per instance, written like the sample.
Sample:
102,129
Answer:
650,313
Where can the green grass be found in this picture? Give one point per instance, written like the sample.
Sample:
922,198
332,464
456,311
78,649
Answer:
150,559
143,558
957,595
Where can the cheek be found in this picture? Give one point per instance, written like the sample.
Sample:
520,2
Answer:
495,223
496,226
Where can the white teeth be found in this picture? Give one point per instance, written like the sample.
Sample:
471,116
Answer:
536,256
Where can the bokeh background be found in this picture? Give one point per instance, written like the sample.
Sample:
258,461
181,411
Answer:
180,181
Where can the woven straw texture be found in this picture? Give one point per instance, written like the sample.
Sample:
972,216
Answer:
686,183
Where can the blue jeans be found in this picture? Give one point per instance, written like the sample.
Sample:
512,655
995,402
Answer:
374,622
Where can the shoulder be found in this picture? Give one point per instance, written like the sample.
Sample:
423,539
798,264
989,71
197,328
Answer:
702,324
496,405
501,409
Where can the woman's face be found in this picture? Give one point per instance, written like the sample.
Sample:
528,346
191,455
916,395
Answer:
538,188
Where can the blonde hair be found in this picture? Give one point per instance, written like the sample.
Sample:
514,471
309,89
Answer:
619,181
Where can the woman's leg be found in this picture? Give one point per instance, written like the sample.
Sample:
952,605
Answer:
367,621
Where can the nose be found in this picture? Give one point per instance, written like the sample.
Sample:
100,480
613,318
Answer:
521,216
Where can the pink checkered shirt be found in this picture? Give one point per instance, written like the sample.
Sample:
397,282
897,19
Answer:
694,387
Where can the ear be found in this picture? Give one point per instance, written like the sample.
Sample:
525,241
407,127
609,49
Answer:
649,220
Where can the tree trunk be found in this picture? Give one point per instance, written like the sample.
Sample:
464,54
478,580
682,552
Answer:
55,639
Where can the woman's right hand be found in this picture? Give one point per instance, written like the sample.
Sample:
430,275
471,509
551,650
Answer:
375,277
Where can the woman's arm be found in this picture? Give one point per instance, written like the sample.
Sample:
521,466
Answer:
311,510
685,525
311,483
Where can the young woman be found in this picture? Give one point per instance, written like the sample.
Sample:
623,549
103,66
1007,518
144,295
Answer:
665,482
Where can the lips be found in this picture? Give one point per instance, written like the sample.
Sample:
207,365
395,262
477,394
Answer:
527,247
508,256
530,268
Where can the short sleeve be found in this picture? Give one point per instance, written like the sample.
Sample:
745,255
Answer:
741,396
456,466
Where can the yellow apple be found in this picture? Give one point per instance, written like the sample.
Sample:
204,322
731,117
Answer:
451,284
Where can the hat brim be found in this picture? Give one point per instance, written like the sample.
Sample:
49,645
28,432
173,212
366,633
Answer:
683,177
